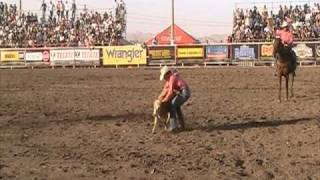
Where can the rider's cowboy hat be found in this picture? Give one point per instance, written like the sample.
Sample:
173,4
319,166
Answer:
284,24
163,72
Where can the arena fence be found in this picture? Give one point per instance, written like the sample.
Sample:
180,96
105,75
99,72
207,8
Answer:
238,54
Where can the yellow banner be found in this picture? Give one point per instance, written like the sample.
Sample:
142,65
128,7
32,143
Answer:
190,52
10,56
124,55
267,50
161,53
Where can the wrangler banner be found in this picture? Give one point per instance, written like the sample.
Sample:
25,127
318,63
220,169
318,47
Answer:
124,55
190,52
266,51
10,56
156,53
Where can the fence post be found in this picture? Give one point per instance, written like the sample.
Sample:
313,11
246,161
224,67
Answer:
230,49
259,52
175,55
24,57
74,58
315,54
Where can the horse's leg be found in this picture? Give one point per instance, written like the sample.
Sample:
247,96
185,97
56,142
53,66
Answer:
280,84
287,86
292,80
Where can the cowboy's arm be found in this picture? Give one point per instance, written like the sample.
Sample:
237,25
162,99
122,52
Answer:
170,91
162,94
290,39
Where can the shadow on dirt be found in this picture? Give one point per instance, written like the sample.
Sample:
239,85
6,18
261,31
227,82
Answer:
254,124
36,123
122,117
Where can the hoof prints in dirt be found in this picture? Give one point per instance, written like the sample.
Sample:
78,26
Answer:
85,124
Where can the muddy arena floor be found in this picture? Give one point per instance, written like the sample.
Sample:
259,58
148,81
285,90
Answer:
96,124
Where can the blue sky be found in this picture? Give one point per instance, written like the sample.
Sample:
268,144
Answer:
198,17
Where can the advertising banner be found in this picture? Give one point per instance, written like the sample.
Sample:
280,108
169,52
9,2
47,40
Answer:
190,52
124,55
10,56
318,50
304,51
156,53
87,54
217,52
46,55
62,55
267,51
33,56
245,52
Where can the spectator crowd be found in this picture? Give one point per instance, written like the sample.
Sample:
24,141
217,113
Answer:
61,23
260,25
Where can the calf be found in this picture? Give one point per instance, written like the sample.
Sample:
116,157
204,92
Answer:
160,111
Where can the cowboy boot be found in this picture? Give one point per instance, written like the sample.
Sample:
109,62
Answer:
173,127
182,123
181,119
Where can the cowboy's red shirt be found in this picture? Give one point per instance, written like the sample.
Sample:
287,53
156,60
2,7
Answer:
174,83
286,37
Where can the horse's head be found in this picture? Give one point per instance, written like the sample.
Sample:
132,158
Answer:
277,45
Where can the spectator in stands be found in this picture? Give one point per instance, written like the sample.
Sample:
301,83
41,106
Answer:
86,29
68,9
73,10
59,7
85,10
63,8
254,25
51,9
43,9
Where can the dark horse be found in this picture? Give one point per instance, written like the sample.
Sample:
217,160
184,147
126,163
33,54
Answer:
286,64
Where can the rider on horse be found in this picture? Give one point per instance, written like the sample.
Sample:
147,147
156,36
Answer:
286,37
285,34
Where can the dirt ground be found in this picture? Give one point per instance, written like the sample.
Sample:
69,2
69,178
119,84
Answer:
96,124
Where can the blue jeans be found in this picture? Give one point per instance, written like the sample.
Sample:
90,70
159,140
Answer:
175,108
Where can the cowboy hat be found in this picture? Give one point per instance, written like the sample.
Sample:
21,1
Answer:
284,24
163,72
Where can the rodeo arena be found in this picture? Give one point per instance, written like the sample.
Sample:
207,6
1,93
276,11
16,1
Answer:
80,100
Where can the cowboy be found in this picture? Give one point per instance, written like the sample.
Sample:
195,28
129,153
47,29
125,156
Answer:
286,37
177,92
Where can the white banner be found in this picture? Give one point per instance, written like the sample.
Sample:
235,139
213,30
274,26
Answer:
77,54
34,56
62,55
87,55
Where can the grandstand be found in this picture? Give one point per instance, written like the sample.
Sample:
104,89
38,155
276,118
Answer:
258,21
65,24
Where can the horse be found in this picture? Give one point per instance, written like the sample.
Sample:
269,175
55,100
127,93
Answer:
285,65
